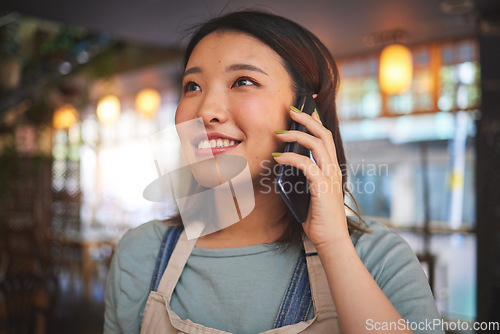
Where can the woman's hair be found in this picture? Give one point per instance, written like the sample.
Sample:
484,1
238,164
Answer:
308,62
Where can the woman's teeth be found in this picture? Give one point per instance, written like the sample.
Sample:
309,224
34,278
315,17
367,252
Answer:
213,143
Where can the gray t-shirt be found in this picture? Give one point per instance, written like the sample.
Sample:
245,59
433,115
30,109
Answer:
239,290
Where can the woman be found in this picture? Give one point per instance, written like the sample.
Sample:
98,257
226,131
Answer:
242,73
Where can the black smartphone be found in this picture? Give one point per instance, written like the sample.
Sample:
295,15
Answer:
291,182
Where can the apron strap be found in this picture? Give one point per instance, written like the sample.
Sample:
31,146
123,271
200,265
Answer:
297,300
167,247
323,303
300,292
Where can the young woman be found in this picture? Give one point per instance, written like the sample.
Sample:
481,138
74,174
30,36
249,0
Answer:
268,273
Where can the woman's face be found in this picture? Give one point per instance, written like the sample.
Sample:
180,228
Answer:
240,89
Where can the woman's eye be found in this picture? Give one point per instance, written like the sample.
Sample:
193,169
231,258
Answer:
191,87
243,81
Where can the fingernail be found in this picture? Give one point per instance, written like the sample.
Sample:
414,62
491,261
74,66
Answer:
295,109
316,112
276,154
280,132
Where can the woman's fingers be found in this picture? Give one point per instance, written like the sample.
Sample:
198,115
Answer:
314,126
318,182
315,116
315,145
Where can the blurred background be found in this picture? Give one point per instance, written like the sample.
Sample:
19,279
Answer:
84,85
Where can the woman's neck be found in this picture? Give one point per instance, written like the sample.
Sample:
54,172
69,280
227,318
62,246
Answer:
265,224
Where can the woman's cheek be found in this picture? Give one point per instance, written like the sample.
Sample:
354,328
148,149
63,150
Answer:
181,114
261,111
251,106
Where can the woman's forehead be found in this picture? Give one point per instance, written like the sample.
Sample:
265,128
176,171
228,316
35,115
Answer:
231,45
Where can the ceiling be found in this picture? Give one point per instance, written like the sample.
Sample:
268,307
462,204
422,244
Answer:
341,24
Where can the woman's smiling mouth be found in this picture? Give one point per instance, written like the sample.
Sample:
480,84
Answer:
214,144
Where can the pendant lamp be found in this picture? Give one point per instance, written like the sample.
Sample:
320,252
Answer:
108,109
64,117
396,69
147,102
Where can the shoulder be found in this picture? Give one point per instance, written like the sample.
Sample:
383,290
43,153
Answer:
385,253
397,271
379,242
148,233
138,249
136,254
130,274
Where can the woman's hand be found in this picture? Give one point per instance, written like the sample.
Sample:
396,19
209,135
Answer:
326,221
356,295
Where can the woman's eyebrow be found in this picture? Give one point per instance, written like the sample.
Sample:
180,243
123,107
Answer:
192,70
234,67
238,67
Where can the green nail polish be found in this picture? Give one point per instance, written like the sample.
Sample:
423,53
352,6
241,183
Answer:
280,132
295,109
276,154
316,112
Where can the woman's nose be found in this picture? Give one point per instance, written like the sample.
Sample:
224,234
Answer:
213,110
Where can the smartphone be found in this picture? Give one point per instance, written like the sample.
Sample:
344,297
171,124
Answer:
291,182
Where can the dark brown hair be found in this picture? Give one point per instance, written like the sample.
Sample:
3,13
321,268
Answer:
311,67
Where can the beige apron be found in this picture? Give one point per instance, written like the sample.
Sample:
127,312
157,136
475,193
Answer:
158,317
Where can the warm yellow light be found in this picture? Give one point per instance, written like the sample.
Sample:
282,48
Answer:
108,109
396,69
148,102
64,117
